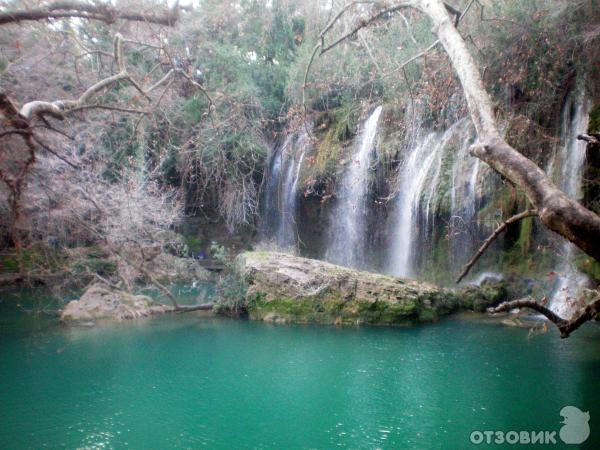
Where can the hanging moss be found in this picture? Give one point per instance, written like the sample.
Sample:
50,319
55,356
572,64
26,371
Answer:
594,124
336,130
442,198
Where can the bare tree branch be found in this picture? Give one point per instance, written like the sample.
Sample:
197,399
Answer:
109,108
310,61
341,12
59,108
557,211
104,12
592,138
53,152
199,87
366,23
565,327
415,57
494,235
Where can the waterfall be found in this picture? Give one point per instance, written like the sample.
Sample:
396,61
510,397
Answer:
270,211
413,178
279,213
348,218
464,227
419,185
570,159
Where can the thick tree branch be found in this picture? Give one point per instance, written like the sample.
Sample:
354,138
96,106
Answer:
492,237
104,12
59,108
565,327
557,211
457,13
592,138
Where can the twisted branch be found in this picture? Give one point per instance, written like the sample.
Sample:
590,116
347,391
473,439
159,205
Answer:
494,235
565,327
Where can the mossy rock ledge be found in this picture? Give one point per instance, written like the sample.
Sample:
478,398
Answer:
283,288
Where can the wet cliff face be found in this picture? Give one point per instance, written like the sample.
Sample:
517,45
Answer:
397,192
402,194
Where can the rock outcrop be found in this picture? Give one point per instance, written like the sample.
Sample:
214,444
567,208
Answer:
286,288
100,302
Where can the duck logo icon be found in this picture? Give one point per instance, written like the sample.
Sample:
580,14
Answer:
575,429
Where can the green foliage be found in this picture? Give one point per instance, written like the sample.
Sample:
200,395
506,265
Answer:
92,260
120,150
232,286
335,131
194,109
218,252
39,257
594,124
195,245
525,236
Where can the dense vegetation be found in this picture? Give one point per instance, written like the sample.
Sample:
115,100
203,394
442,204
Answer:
131,169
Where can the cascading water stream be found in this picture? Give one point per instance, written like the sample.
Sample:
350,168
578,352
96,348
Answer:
571,161
270,212
418,186
464,224
287,232
413,178
348,219
281,189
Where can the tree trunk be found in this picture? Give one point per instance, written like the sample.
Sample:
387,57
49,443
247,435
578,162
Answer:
557,211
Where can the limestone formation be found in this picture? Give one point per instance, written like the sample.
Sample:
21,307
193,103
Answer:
287,288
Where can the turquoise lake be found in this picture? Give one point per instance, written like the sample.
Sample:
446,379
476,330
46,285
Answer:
191,381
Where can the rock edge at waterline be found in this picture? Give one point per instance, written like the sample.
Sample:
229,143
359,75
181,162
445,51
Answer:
100,302
283,288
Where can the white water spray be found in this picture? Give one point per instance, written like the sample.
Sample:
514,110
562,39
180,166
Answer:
418,187
571,161
282,189
348,219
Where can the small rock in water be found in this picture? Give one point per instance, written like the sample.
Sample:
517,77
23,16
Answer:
99,302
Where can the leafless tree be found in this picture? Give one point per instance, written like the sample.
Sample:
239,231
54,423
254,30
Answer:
52,188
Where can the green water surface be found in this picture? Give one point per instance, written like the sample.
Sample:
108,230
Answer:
189,382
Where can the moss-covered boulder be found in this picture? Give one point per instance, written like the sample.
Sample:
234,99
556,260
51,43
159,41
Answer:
285,288
480,298
100,302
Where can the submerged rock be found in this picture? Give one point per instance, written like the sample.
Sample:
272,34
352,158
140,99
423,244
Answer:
287,288
100,302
